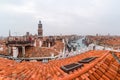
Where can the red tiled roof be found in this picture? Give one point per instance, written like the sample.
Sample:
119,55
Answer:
44,51
105,67
106,40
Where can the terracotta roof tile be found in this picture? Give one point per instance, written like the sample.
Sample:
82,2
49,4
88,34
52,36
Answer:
105,67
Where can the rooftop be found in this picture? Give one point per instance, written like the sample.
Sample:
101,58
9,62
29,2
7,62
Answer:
103,67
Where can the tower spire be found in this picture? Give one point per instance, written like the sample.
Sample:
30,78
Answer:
9,33
39,21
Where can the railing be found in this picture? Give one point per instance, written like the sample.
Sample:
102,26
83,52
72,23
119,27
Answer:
44,59
20,42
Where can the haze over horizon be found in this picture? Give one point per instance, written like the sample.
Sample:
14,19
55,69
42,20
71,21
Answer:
60,16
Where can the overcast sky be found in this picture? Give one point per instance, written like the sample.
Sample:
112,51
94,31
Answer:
60,16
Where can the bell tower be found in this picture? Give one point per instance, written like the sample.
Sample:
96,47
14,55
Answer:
40,30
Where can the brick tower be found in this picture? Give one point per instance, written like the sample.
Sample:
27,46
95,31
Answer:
40,30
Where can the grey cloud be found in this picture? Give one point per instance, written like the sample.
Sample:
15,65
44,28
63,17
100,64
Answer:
61,16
